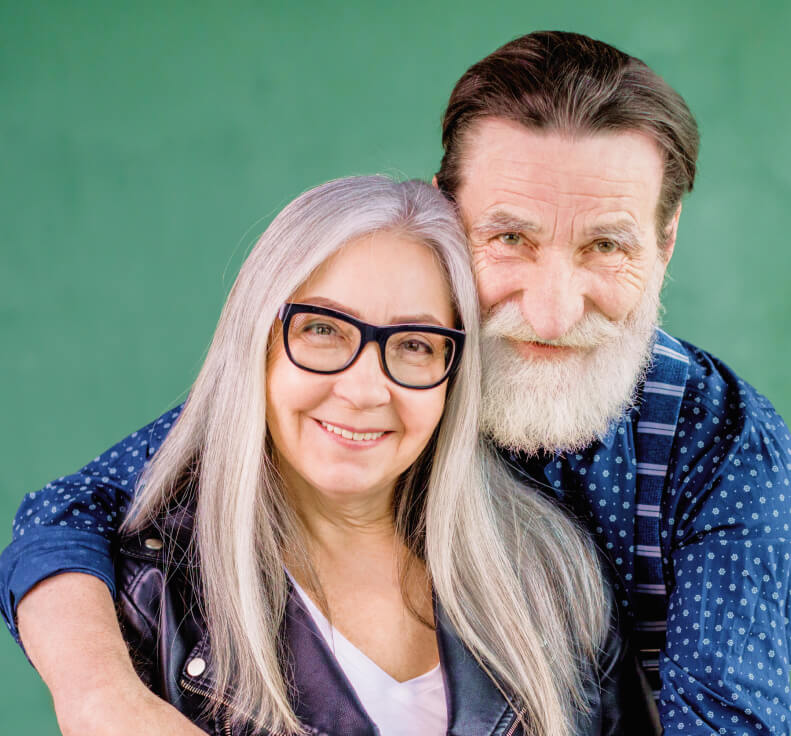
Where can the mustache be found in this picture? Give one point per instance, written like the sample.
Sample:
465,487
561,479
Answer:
593,330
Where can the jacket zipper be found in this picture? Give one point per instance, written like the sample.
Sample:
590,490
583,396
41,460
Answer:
511,731
226,728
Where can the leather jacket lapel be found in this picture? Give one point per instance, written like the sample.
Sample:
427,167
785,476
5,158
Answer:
475,706
323,698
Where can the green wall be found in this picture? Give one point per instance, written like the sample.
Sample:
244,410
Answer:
143,147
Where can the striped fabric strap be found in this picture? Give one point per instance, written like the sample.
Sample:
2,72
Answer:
656,428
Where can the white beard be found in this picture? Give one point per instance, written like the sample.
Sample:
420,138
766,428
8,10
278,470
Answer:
566,403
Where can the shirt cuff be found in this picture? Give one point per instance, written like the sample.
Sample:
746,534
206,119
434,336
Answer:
50,551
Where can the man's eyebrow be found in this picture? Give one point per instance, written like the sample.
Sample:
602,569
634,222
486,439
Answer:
622,232
499,221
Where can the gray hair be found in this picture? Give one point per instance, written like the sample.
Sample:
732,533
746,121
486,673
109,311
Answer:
519,583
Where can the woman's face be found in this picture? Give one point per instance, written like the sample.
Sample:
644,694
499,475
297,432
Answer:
381,279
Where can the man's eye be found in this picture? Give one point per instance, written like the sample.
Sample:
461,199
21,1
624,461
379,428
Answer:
605,246
510,238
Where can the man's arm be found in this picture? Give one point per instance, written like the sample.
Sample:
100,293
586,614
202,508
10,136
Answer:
67,621
68,626
725,668
69,525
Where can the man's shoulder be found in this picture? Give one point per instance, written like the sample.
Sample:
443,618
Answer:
731,455
121,463
713,388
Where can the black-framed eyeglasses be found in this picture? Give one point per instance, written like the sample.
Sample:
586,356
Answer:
322,340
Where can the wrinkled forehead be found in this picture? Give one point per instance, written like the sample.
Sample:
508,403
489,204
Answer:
556,176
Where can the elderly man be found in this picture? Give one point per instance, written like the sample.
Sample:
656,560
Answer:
568,161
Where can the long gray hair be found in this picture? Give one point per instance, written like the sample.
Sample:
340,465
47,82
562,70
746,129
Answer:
518,581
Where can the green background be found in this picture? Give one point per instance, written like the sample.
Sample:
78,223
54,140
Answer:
143,148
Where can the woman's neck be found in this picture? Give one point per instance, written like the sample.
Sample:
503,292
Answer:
357,569
351,540
335,520
373,590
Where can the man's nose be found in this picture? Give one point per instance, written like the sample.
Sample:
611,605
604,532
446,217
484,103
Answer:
364,383
552,296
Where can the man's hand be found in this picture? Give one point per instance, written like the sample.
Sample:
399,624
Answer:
69,629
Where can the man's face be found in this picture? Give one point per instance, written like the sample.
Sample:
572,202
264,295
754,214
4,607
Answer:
563,237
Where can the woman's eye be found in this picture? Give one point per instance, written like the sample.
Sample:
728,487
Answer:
415,346
320,329
510,238
605,246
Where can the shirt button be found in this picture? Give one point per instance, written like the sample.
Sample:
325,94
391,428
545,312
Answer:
153,544
196,667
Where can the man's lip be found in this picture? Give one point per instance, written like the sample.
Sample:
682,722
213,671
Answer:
530,349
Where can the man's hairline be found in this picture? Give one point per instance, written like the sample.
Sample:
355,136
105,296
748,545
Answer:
468,128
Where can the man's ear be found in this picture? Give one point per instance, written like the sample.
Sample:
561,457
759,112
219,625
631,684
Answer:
434,182
671,231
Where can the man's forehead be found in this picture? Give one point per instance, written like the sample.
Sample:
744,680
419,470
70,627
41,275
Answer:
504,161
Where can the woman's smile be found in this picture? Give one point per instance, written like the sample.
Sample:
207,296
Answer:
359,438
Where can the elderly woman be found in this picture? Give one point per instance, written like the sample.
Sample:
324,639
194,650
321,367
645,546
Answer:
320,544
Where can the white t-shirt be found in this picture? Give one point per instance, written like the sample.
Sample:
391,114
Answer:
415,707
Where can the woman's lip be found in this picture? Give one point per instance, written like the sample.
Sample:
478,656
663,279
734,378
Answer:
350,429
350,442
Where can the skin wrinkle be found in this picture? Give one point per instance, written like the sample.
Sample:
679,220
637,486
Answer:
503,164
623,231
506,213
570,196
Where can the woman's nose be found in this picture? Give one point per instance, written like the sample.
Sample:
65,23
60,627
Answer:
364,383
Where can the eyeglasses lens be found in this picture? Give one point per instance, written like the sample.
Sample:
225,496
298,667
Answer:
323,343
418,358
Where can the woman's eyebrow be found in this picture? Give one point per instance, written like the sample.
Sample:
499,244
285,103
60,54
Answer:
423,318
323,301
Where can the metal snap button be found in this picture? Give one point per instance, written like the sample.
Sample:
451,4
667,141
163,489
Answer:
196,667
153,544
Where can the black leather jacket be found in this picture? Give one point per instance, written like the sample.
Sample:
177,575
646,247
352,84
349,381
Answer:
171,652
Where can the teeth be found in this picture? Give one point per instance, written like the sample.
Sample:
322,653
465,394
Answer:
346,434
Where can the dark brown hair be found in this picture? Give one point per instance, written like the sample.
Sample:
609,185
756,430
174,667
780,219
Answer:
553,80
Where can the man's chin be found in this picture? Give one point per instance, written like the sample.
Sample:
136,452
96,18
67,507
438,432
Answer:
558,403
